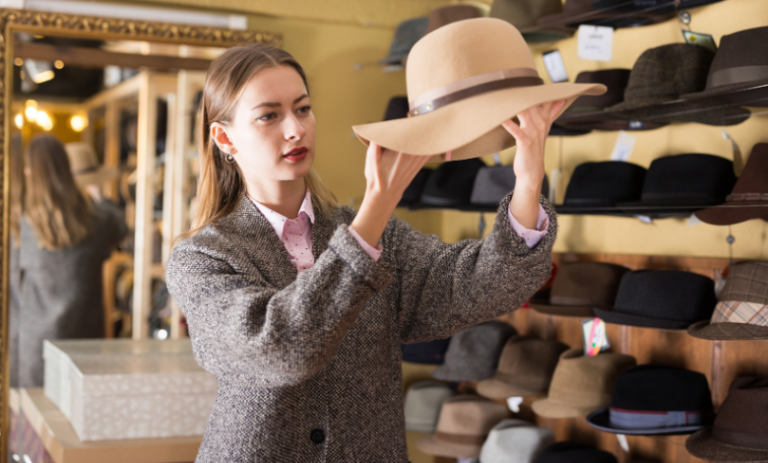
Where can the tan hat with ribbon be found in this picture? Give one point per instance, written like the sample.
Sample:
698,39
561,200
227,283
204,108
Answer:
464,80
86,167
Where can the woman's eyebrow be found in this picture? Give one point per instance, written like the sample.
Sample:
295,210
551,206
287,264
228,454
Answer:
277,105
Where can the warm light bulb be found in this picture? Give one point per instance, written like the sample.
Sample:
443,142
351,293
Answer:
78,123
44,120
18,61
58,64
44,76
31,113
18,121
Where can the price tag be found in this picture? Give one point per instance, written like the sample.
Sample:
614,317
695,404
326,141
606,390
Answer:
697,38
693,220
595,43
554,175
623,442
595,339
553,61
645,219
623,147
514,404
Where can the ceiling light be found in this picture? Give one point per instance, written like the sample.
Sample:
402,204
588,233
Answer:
39,71
78,123
18,121
18,61
58,64
30,110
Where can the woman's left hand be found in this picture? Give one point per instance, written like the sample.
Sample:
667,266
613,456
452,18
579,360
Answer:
530,136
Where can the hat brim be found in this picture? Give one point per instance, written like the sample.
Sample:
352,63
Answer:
471,127
102,175
611,211
431,446
667,208
727,331
703,445
495,389
723,92
729,214
415,426
445,373
680,111
549,409
564,310
599,419
602,120
621,318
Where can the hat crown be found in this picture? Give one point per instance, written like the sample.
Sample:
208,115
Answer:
743,48
515,440
754,177
422,404
661,388
81,156
464,49
615,79
746,282
470,415
689,176
530,362
524,13
473,353
587,283
574,452
667,295
743,416
604,183
587,381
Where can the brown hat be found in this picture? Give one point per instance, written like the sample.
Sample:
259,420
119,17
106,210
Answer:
523,14
582,384
464,423
749,198
464,80
579,287
525,368
443,16
86,167
740,431
742,312
576,12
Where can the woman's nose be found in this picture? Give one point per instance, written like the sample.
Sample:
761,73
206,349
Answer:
293,129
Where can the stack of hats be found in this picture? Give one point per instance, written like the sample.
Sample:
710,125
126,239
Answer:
666,299
742,309
423,402
582,384
473,353
574,452
596,187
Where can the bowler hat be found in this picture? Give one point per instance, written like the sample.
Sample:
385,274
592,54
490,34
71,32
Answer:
742,310
525,368
423,402
740,430
464,423
577,12
656,400
749,198
406,35
668,299
473,353
428,353
596,187
464,80
515,440
582,383
493,183
523,14
579,287
658,79
450,185
85,165
574,452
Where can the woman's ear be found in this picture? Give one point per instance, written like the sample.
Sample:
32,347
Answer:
220,137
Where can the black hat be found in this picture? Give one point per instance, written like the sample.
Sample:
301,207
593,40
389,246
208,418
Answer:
412,194
668,299
679,185
450,185
493,183
560,131
596,187
574,452
656,399
428,353
397,108
657,6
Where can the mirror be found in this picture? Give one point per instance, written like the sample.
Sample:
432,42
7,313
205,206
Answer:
84,249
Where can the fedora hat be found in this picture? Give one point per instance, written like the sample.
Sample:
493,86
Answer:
445,15
581,384
464,80
574,452
679,185
412,193
450,185
656,400
473,353
525,368
493,183
397,108
658,79
740,430
742,310
406,35
579,287
749,198
667,299
515,440
577,12
422,405
85,165
523,14
596,187
464,423
428,353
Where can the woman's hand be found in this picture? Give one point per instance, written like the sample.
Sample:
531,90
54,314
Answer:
530,136
387,175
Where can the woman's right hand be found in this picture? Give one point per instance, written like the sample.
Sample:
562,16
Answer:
387,175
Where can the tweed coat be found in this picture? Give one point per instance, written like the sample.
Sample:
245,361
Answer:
309,365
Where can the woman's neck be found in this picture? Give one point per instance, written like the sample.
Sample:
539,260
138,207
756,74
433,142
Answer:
283,197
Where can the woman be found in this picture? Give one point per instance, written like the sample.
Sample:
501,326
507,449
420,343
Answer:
298,305
65,238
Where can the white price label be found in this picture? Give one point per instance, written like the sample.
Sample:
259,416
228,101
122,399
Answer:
514,404
622,149
595,42
623,442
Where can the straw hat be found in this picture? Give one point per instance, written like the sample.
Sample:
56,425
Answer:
85,165
463,81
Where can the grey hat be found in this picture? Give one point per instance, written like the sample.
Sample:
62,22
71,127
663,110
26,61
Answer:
515,440
406,35
422,405
473,353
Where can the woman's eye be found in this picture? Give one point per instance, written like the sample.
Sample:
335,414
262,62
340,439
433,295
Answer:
305,109
268,117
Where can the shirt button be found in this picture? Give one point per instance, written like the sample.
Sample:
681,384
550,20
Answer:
317,436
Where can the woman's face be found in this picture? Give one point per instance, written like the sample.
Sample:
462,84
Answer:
273,130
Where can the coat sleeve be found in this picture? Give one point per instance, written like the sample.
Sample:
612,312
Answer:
249,331
445,288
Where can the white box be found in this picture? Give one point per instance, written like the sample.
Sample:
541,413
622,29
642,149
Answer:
125,389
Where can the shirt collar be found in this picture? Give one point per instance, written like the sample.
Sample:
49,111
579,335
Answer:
278,220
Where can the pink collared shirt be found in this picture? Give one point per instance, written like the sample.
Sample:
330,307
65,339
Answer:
296,234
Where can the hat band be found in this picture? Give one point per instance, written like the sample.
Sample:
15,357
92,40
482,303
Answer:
636,419
87,170
462,439
739,75
740,439
746,197
473,86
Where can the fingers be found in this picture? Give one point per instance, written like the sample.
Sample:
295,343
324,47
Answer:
555,108
512,128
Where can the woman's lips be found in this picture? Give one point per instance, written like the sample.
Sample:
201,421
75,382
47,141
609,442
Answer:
296,155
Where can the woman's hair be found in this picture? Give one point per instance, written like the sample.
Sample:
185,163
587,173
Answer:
53,204
221,184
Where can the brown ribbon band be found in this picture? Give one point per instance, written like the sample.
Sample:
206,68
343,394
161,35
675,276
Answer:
473,86
463,439
741,439
746,197
738,75
87,170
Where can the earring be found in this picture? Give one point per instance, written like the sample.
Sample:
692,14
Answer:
229,158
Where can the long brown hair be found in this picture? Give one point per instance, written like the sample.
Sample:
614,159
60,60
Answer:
53,204
221,184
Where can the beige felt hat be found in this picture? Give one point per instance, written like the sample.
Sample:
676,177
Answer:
86,167
463,81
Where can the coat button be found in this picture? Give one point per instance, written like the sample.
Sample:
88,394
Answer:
317,436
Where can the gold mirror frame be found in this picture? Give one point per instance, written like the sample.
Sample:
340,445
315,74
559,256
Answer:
90,27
